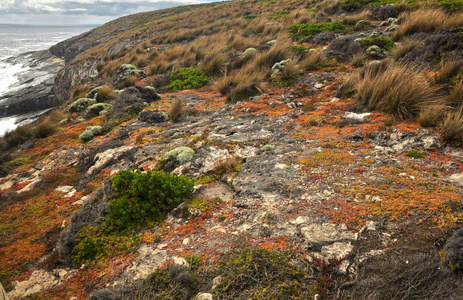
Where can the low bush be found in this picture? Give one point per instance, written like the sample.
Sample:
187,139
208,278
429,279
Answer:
145,198
44,129
245,83
451,5
415,154
182,154
18,136
174,282
187,78
301,31
381,42
254,272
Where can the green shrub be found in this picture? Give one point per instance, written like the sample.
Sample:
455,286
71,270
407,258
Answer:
98,243
298,48
90,132
353,5
415,154
301,31
145,198
80,104
381,42
182,154
187,78
451,5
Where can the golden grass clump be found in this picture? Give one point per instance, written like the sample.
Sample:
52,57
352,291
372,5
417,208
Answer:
455,96
79,92
176,109
405,47
426,20
245,83
111,67
105,94
129,81
314,60
397,89
354,18
432,115
214,64
452,127
448,70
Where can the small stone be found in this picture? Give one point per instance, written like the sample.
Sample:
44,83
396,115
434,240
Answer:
370,225
186,241
216,281
180,261
203,296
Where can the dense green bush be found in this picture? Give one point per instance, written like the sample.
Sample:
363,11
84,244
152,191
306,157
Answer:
301,31
451,5
187,78
381,42
145,198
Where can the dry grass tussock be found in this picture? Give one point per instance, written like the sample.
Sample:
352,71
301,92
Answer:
397,89
279,51
243,84
105,94
79,92
314,61
176,109
452,127
407,45
354,18
455,95
432,115
426,20
448,70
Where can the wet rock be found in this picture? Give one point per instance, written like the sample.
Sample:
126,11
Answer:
344,48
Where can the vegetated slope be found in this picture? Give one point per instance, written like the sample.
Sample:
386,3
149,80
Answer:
322,140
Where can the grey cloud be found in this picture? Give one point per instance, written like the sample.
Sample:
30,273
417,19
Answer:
96,8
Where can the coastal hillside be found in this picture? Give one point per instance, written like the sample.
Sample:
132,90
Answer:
252,149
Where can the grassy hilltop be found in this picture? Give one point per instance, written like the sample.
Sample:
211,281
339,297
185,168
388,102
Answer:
245,150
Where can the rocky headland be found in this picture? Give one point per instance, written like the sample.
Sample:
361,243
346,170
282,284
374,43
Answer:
243,150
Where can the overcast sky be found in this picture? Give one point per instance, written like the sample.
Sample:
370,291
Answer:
78,11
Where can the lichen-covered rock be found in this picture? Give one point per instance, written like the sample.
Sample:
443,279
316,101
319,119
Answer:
267,148
279,66
90,132
97,109
80,104
249,51
182,154
125,71
153,116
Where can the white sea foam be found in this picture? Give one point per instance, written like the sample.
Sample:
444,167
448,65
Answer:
9,75
7,124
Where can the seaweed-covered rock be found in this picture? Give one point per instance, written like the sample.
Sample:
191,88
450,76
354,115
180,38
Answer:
152,117
344,49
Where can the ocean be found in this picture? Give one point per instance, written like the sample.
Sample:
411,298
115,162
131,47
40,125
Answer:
17,39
